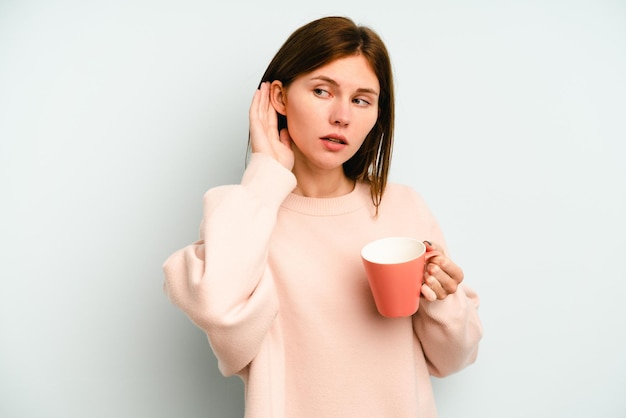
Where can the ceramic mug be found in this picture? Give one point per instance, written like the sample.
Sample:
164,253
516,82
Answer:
395,271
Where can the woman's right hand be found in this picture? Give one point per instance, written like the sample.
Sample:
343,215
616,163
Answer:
264,136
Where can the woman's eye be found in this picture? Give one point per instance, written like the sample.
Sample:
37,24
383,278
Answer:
361,102
321,92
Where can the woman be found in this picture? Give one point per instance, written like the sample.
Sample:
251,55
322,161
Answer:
276,279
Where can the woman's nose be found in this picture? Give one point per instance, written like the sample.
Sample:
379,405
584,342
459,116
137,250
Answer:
340,114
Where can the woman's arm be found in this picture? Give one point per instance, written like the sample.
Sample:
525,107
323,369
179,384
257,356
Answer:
447,322
449,331
221,282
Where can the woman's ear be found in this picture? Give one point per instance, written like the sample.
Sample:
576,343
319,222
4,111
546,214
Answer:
278,97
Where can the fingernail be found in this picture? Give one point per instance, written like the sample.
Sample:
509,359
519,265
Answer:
429,244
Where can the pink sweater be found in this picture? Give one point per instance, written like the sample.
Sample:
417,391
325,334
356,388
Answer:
277,284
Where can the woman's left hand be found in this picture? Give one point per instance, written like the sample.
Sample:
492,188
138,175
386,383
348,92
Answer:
441,275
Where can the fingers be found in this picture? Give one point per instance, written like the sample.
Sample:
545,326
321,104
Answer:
264,96
267,112
263,120
264,135
439,281
442,276
261,108
253,115
428,293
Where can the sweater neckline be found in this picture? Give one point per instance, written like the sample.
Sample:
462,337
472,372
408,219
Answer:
358,198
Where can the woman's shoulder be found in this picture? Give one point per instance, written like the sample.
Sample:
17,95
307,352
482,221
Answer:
403,205
399,192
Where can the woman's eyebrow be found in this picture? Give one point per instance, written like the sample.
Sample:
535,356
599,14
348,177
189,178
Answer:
335,83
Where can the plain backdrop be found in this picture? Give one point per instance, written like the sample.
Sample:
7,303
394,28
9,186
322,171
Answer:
116,116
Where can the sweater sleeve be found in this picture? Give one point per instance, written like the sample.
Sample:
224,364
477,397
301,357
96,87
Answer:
449,330
221,281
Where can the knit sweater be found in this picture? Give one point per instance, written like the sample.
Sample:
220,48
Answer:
277,283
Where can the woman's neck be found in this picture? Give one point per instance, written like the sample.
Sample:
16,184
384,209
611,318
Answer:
322,184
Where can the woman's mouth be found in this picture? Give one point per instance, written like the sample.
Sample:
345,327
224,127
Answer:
337,139
334,142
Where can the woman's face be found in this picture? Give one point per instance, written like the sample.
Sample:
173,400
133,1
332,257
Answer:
330,111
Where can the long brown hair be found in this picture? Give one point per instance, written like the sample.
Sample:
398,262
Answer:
322,41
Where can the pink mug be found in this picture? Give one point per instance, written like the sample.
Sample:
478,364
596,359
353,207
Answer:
395,271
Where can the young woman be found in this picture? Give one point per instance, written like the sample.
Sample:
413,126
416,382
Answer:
276,280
